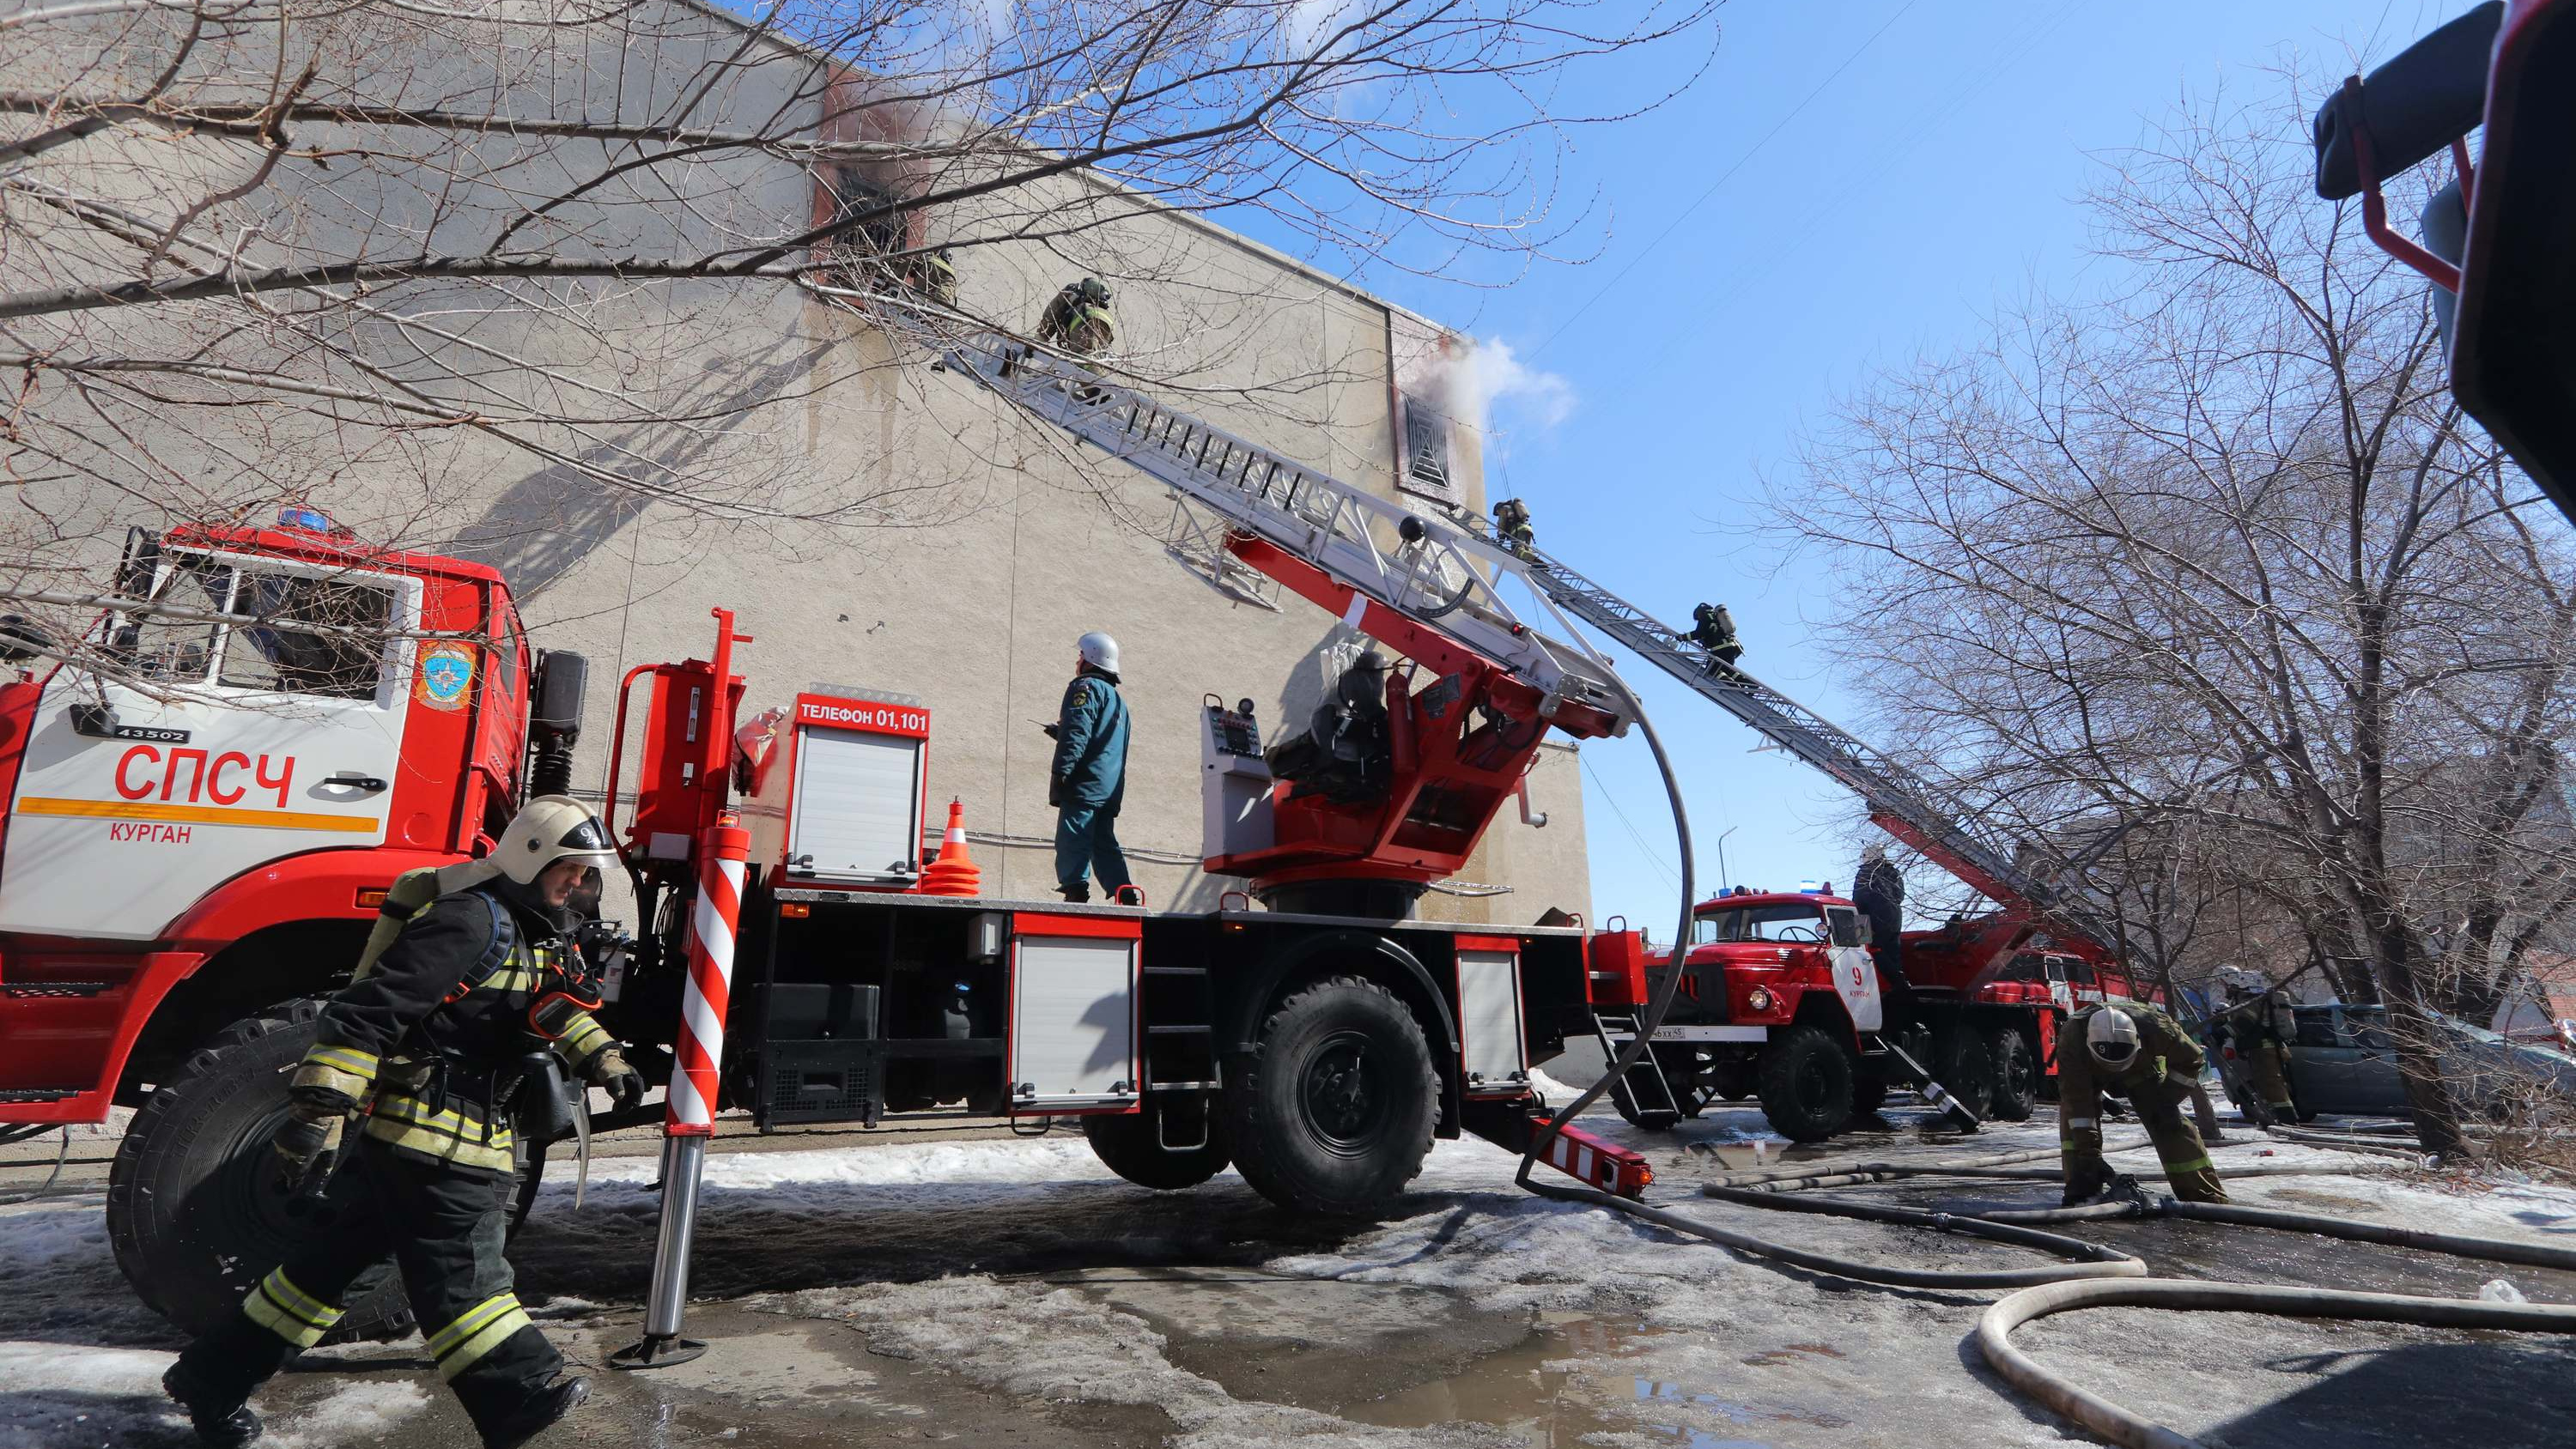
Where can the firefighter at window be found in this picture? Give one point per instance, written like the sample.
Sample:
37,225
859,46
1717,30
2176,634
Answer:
419,1059
1078,321
1512,526
2130,1049
932,275
1088,781
1878,889
1713,629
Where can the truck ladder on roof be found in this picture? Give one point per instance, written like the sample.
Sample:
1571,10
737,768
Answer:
1424,566
1441,573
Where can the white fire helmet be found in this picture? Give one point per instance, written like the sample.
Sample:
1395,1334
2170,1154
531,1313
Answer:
548,829
1099,651
2112,1038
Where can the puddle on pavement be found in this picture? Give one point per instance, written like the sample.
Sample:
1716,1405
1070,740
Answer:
1546,1407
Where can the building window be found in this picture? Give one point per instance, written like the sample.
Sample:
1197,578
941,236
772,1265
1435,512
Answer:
1425,463
882,233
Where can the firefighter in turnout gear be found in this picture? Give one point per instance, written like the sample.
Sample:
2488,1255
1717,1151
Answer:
1088,781
2254,1031
1078,319
420,1059
2130,1049
1878,890
1512,526
1713,629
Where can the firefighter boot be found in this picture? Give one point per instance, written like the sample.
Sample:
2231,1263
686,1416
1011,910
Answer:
541,1411
222,1420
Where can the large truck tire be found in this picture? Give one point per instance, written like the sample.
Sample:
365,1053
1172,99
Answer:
2016,1090
1131,1145
1334,1114
1806,1084
195,1211
1869,1093
1963,1063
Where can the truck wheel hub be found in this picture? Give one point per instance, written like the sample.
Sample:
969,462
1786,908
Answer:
1340,1091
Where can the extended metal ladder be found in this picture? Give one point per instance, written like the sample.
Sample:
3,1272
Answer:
1425,566
1445,571
1932,820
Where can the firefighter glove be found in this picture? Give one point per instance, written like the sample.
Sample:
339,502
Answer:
299,1142
624,1084
1056,787
1053,732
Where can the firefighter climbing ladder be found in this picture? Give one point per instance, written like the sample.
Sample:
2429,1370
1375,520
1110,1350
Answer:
1433,570
1424,568
1901,801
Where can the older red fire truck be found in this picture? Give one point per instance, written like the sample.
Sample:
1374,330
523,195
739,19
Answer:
202,827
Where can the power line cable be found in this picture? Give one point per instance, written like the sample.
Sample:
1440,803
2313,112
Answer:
1612,801
1671,226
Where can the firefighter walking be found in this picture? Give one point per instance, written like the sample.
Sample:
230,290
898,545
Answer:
426,1050
1087,781
2130,1049
2254,1032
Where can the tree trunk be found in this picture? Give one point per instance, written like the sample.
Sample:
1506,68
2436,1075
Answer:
2419,1045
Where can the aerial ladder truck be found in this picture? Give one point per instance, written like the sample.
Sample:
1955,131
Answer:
1310,1031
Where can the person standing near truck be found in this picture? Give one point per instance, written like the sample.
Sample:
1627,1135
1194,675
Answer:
421,1057
2131,1049
1088,780
1878,890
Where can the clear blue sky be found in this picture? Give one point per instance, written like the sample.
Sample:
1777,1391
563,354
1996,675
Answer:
1930,182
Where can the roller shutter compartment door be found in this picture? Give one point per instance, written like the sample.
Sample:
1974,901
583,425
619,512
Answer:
856,800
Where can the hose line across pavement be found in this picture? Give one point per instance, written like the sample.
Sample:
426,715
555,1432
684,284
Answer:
1994,1332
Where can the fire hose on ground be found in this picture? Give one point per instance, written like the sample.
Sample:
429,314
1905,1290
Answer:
2092,1276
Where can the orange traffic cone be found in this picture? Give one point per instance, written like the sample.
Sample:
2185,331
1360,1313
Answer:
954,873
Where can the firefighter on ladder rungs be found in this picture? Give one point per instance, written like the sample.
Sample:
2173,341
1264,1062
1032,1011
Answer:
426,1049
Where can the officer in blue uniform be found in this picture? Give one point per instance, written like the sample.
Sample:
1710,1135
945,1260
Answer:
1089,780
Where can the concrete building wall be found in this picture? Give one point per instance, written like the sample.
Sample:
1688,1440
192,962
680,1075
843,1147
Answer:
896,529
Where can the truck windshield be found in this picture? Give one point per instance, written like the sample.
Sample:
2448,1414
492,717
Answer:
1759,923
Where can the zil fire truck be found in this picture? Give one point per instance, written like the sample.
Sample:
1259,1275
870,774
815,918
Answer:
199,839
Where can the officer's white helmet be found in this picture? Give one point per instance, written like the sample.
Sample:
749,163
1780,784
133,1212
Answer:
1099,651
2112,1038
548,829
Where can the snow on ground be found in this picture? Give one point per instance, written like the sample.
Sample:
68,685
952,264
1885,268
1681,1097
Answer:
1645,1341
827,1174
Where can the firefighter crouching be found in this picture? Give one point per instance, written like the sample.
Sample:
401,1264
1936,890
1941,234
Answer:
425,1050
2130,1049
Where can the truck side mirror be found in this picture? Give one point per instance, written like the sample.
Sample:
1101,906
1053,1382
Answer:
2427,96
2515,329
554,720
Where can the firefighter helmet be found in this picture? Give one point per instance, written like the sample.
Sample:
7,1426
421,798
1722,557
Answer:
1092,290
1099,651
551,828
2112,1038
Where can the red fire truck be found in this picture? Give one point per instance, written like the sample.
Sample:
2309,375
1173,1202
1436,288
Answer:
276,722
1808,1024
